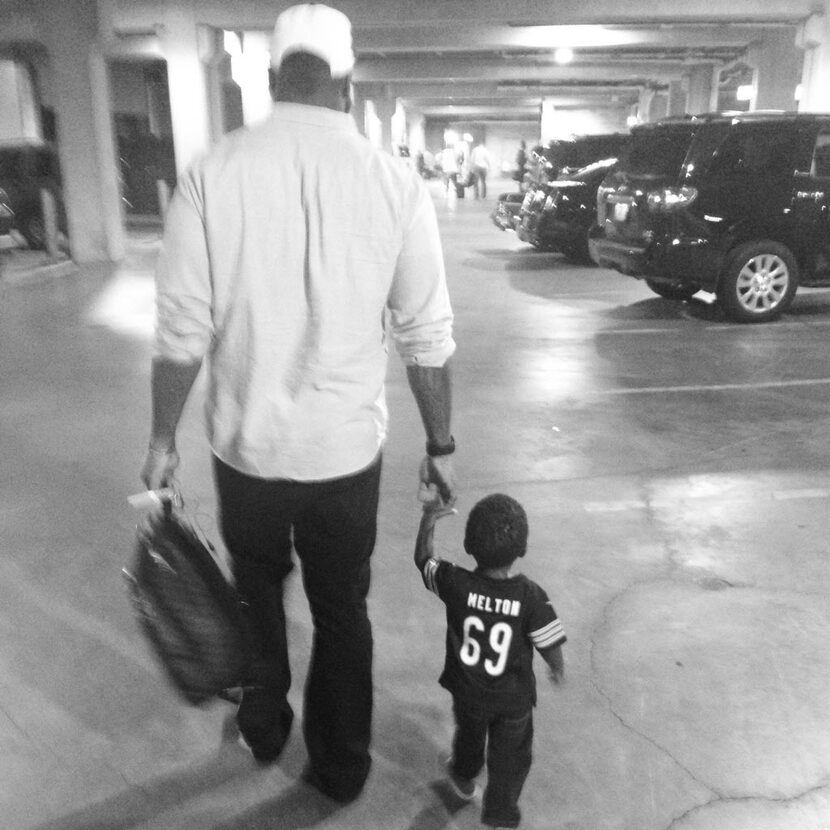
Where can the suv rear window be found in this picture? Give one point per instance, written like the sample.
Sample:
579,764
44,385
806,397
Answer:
658,150
761,151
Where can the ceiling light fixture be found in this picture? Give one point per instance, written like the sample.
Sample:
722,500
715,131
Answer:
564,54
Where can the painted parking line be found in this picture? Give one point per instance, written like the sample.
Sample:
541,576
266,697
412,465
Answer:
724,327
623,505
814,493
717,387
614,506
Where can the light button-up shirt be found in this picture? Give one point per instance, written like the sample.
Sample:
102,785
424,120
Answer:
290,251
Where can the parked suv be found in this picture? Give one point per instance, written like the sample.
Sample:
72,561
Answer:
26,168
560,157
561,214
6,214
732,204
566,156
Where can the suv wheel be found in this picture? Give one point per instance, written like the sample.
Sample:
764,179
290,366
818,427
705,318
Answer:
759,282
672,290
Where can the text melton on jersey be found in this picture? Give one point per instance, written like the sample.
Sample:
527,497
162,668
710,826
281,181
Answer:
481,602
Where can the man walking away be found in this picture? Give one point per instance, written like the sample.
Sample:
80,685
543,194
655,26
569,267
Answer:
291,252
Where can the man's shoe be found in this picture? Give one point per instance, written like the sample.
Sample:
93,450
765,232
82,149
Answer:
264,726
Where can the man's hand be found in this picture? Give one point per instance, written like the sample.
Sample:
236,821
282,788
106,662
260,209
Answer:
159,468
438,475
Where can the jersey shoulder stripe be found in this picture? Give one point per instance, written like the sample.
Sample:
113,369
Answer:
549,635
429,574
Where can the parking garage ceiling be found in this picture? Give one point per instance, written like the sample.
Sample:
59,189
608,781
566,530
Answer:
486,60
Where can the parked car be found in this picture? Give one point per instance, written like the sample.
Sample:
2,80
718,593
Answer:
547,163
27,168
6,214
561,214
735,204
506,212
567,155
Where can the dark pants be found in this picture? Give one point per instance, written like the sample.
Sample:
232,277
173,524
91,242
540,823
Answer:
332,526
508,740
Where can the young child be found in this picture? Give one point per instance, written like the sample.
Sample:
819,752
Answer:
494,620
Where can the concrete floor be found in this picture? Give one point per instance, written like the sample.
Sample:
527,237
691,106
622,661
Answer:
676,471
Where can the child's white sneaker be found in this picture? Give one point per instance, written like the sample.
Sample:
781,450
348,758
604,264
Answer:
466,789
463,788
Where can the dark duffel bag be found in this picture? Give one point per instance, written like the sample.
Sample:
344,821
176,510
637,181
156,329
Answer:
189,612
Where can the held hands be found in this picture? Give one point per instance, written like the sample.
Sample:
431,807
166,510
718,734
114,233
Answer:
438,485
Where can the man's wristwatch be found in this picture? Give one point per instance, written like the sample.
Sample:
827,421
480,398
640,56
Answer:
435,450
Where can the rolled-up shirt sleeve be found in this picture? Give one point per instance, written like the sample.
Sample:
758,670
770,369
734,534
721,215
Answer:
184,326
420,314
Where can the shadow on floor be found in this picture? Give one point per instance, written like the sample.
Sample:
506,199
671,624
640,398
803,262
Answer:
439,813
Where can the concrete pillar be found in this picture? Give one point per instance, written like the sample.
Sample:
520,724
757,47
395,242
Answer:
84,128
814,38
644,105
359,107
399,125
217,70
416,129
702,89
677,98
547,121
385,109
778,66
250,59
184,45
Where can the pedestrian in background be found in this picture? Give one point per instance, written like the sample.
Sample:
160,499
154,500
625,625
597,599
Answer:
480,163
521,164
271,276
449,170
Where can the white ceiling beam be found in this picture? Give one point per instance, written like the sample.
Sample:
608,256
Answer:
479,37
494,91
437,68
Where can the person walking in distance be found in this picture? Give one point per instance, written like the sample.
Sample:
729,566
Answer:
271,275
480,164
495,619
521,164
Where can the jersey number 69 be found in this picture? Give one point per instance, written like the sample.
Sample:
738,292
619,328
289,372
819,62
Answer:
500,636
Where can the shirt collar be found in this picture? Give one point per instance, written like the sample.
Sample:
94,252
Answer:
313,116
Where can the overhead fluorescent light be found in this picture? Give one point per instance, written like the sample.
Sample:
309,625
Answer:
745,92
574,36
564,54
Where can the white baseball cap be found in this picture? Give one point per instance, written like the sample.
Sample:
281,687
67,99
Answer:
317,29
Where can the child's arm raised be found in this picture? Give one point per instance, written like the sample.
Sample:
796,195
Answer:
556,665
424,543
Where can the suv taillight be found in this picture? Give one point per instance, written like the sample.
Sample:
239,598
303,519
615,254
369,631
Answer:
670,198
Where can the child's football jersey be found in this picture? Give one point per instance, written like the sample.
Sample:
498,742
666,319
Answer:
492,627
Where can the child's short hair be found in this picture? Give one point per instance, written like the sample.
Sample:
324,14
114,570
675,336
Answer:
496,532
